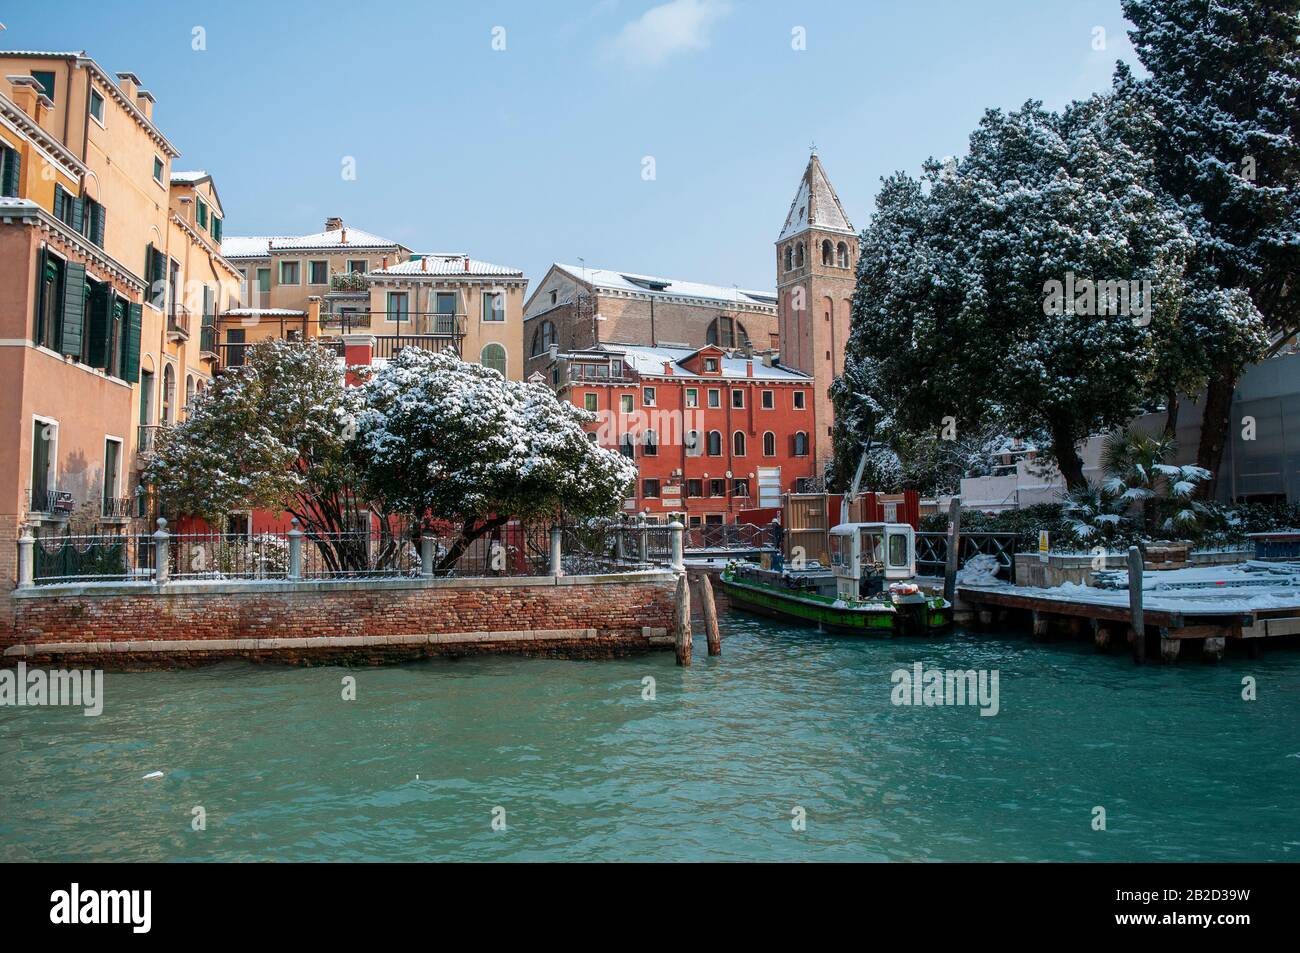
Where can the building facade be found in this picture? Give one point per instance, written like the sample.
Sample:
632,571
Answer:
96,249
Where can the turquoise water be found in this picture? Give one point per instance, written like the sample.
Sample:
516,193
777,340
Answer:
586,769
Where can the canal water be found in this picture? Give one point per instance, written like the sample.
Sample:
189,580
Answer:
722,763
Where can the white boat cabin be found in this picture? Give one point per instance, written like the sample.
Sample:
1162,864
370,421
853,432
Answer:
861,550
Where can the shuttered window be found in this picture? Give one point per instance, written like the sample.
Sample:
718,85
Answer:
10,166
74,309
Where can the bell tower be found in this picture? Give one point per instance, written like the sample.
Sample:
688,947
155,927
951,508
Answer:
816,261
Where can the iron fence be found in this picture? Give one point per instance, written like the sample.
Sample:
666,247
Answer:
65,558
731,536
932,551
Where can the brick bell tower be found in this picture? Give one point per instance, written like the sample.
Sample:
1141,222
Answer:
816,260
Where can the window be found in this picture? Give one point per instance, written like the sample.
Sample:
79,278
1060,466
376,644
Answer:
695,488
264,280
693,522
798,255
189,392
590,402
158,170
10,165
692,397
93,221
97,106
543,338
897,550
494,356
399,306
235,347
789,257
46,79
715,443
769,444
494,306
718,488
67,208
169,394
627,446
289,273
146,398
554,295
738,443
444,302
715,398
648,396
692,442
740,488
827,252
842,255
650,489
801,444
726,331
318,272
49,303
798,400
738,399
216,229
112,471
711,365
625,403
769,400
650,441
201,212
358,267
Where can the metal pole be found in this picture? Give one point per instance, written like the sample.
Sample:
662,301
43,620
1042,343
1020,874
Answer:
1135,604
954,550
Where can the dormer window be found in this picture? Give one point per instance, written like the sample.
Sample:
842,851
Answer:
711,365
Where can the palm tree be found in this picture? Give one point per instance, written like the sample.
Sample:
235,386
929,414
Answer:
1136,473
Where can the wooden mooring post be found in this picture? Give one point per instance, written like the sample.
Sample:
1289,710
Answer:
1136,622
709,609
954,551
683,622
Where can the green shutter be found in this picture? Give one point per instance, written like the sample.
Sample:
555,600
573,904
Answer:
99,326
60,197
41,317
131,344
12,163
97,225
74,307
78,222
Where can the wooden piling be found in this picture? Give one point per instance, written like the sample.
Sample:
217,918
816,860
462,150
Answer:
683,622
710,612
1136,622
954,551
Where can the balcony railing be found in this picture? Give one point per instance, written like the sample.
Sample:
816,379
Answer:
117,507
178,322
595,372
387,345
349,282
208,340
52,502
434,323
147,436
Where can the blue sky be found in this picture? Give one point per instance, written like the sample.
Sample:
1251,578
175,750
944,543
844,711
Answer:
534,153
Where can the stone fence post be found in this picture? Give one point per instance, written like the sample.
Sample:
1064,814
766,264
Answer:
557,551
426,556
295,549
677,530
643,540
26,559
162,560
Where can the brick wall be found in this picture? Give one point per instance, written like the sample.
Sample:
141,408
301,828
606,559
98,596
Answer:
142,626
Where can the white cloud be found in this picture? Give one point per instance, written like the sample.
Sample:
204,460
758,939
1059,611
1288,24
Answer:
676,27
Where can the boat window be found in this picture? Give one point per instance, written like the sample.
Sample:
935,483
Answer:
897,549
837,550
873,548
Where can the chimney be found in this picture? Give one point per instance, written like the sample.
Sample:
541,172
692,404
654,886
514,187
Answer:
128,83
749,368
383,262
668,368
27,95
333,223
144,99
343,238
767,359
424,262
467,264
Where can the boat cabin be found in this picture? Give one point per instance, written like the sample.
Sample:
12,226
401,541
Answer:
871,554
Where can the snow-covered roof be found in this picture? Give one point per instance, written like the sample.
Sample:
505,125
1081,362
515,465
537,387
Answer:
247,246
648,360
670,287
445,264
260,246
270,312
190,177
815,205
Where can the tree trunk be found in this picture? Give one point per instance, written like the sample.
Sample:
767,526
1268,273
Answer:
469,532
1171,417
1067,458
1215,425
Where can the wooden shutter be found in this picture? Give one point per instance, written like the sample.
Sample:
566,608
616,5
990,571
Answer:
131,343
12,163
99,326
74,308
78,209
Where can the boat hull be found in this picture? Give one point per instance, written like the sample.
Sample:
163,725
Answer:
861,619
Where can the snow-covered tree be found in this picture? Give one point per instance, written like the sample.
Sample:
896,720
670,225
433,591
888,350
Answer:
1001,283
1224,92
271,434
445,440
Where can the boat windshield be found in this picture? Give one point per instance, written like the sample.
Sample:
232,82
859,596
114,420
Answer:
873,549
897,550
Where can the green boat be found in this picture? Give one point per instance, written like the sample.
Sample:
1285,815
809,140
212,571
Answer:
868,589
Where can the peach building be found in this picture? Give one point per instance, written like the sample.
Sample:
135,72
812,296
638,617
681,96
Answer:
99,343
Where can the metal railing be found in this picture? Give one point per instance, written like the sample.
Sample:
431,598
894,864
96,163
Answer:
53,502
730,536
146,437
117,507
207,339
350,281
388,345
178,321
932,551
409,323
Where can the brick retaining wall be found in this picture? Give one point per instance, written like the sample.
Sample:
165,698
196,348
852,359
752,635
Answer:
140,625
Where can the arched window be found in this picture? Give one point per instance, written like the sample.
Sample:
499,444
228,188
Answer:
769,444
827,253
801,444
798,255
543,338
650,441
189,392
693,447
169,394
494,356
726,332
789,257
738,443
715,443
842,255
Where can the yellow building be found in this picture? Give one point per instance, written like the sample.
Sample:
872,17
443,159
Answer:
96,250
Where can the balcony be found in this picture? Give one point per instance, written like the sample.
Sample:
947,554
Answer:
409,323
50,503
348,282
117,508
596,372
178,323
208,342
147,437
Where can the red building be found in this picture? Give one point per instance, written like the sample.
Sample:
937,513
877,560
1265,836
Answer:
711,434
